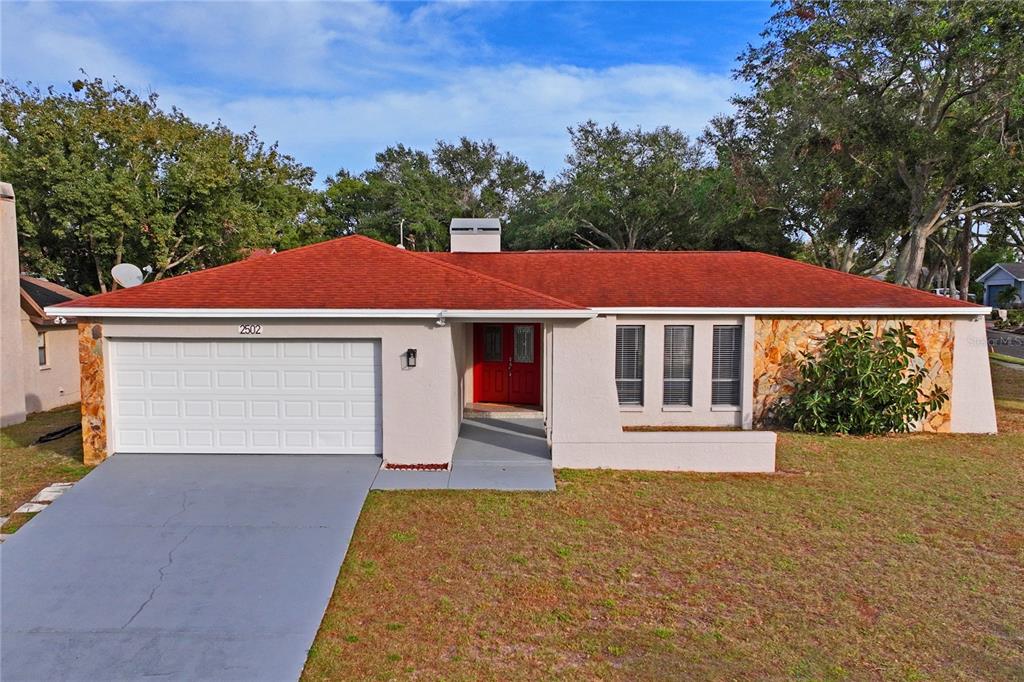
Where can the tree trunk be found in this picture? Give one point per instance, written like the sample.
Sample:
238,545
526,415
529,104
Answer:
908,268
966,243
96,264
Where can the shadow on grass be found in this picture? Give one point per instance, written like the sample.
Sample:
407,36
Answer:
24,435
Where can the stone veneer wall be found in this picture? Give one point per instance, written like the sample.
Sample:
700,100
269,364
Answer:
94,417
780,344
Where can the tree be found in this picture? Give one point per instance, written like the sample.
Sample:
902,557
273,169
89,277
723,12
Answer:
416,194
800,180
924,92
625,189
105,176
636,189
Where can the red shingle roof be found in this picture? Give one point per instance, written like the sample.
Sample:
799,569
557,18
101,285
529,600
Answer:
360,273
348,273
691,279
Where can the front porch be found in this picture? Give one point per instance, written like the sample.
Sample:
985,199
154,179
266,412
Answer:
490,454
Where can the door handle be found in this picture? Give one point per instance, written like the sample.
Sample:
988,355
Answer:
510,365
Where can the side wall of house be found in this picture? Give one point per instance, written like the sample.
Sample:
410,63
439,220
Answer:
57,382
12,376
782,343
420,423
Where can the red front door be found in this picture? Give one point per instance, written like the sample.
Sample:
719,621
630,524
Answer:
506,361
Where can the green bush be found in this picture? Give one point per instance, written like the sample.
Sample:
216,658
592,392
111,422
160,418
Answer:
861,384
1007,298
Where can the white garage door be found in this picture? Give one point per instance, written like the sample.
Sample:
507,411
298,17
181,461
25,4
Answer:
267,397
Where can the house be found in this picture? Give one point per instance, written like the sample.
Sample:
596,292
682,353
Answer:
39,351
1000,278
355,346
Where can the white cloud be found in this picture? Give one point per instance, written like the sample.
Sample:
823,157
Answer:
336,82
524,109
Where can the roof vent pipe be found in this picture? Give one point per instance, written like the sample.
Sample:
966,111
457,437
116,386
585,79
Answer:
475,235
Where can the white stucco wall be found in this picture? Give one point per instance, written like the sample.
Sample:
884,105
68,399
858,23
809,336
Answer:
12,375
57,383
973,409
420,419
585,419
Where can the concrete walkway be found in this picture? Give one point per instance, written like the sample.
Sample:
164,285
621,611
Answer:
180,567
490,454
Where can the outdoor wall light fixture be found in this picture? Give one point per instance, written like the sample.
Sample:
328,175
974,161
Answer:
410,357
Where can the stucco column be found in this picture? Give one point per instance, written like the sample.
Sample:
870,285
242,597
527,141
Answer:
747,381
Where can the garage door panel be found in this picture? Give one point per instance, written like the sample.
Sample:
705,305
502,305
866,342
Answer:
307,397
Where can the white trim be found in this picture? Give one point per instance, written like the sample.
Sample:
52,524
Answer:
409,313
766,312
981,278
542,313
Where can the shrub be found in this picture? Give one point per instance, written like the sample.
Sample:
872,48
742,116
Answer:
861,384
1008,298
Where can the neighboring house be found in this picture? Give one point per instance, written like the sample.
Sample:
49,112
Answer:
354,346
49,345
1000,277
39,351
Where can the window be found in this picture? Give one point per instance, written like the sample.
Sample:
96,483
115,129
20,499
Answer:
492,343
629,364
41,348
678,388
523,343
727,354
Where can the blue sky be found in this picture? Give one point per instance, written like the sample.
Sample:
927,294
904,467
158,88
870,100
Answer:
335,82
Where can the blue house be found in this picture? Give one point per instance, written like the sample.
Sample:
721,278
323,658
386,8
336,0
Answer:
1001,277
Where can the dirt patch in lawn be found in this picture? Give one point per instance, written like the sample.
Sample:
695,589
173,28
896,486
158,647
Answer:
25,469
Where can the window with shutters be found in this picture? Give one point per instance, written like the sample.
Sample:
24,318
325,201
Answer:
629,364
727,355
678,388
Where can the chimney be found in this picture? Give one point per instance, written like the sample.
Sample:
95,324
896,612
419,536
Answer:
475,235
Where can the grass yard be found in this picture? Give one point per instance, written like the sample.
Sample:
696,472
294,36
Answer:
25,469
863,558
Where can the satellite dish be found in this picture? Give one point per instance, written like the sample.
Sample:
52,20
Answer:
127,275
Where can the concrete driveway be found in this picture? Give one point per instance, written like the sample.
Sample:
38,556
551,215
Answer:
194,567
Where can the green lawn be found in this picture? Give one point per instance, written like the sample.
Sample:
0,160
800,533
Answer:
25,469
863,558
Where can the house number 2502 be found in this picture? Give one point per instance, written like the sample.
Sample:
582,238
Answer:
250,329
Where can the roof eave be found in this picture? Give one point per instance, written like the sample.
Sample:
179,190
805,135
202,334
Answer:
781,311
998,266
336,313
